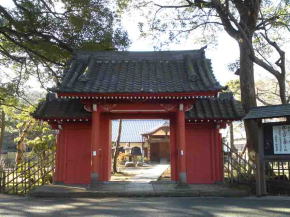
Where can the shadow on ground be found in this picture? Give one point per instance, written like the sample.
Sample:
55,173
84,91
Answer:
17,206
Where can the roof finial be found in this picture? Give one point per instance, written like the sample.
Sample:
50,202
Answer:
202,49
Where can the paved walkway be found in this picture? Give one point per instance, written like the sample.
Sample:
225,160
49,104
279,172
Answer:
144,184
149,175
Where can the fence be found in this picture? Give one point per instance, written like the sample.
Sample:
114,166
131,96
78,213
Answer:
278,177
32,172
237,169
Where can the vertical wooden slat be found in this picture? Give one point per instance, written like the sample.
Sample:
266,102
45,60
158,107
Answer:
13,181
26,175
30,177
3,180
283,172
16,179
21,177
38,173
288,170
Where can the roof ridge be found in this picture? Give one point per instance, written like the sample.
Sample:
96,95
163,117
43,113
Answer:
123,55
106,71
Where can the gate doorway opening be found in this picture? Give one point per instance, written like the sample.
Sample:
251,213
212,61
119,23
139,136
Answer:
140,150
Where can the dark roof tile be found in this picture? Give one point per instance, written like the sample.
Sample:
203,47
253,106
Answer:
135,72
273,111
223,107
60,108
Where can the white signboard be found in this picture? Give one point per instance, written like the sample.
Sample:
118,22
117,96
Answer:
281,139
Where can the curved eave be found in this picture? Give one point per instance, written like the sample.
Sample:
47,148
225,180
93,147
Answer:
63,120
88,119
211,120
174,95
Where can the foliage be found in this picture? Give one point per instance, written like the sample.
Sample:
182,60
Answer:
242,20
7,97
122,158
37,37
267,91
260,28
234,87
172,20
39,136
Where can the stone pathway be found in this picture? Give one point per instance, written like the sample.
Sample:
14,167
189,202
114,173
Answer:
148,175
144,174
144,184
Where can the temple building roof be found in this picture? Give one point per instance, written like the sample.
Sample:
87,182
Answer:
106,72
223,107
132,130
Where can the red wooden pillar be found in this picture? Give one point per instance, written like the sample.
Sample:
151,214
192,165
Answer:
95,145
60,170
105,147
181,144
220,156
57,174
173,150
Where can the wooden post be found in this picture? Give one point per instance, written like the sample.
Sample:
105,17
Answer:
232,136
2,180
173,150
181,144
95,145
260,165
2,130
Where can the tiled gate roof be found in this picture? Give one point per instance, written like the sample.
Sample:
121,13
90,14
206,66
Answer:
222,107
139,72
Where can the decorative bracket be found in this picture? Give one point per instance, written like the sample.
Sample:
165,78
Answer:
169,107
107,107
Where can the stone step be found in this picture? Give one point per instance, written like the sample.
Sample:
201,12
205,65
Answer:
140,190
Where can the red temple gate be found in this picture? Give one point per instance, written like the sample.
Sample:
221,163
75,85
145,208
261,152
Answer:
101,86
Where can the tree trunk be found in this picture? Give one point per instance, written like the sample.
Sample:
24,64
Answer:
2,130
20,144
116,154
282,89
248,94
